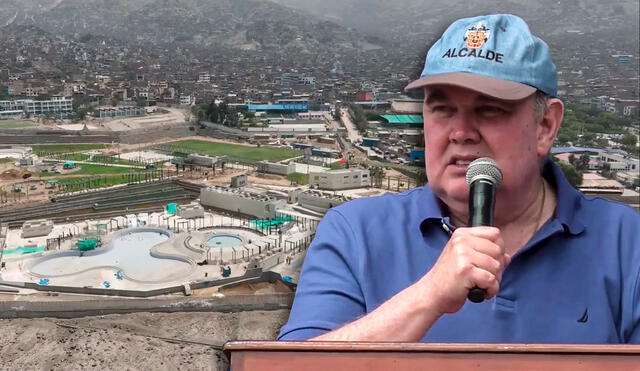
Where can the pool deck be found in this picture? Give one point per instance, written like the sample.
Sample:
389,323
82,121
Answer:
269,252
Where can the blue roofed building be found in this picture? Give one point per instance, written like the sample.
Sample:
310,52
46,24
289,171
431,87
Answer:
279,108
403,120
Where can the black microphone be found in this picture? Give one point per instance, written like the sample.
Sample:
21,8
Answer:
484,177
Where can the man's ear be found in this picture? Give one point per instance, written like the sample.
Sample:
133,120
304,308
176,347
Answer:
549,125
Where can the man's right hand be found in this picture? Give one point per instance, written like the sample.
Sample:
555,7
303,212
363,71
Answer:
472,257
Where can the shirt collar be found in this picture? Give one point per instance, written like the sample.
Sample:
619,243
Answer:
569,199
431,209
566,212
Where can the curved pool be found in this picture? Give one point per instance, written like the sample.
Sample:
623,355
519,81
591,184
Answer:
225,240
129,252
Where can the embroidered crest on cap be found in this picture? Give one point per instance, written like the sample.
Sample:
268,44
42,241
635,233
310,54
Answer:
477,35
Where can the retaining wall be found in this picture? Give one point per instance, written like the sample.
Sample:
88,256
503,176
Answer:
144,135
253,273
83,308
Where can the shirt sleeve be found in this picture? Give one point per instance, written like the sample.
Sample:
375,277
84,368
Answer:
634,338
328,293
631,296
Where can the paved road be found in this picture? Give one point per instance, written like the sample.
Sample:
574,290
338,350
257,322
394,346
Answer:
352,131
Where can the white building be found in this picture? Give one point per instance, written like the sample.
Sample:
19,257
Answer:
11,115
311,115
316,201
187,100
619,162
276,168
56,107
15,152
241,202
291,128
190,211
202,160
36,228
335,180
204,77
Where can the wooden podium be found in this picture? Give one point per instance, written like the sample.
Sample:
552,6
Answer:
339,356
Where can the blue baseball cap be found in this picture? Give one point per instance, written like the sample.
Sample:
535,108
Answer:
496,55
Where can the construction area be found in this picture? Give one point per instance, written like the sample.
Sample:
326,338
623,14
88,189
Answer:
153,255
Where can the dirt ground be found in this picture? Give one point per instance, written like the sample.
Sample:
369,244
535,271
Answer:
131,147
224,179
140,341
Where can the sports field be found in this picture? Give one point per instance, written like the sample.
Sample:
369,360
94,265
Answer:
16,124
86,169
234,150
67,147
100,159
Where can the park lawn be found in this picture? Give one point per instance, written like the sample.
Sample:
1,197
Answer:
118,161
71,156
5,160
234,150
95,170
17,125
67,147
100,159
91,182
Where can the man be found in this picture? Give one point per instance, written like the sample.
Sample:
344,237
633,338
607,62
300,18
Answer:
557,268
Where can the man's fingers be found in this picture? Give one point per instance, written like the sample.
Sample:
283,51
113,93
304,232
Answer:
488,233
487,263
486,281
479,244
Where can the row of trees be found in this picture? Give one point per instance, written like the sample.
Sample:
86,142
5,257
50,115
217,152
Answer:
583,123
359,118
219,114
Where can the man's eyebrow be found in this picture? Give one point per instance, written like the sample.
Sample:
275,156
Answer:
435,95
488,99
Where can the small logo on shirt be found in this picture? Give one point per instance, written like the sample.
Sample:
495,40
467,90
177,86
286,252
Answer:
585,316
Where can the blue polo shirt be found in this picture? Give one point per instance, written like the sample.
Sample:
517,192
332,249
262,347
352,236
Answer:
576,281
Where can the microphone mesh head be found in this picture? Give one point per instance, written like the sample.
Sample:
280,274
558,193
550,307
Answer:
484,168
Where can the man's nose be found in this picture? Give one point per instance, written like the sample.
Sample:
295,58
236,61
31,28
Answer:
463,129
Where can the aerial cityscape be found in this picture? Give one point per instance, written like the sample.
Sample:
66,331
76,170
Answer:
164,164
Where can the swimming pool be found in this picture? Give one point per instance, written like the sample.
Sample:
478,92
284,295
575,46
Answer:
225,240
129,252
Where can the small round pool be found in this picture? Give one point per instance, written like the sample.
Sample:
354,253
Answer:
225,240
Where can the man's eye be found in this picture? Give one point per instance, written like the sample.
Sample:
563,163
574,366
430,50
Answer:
444,109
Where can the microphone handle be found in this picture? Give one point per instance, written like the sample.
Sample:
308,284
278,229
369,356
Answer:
481,206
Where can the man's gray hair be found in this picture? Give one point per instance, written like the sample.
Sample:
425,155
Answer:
540,104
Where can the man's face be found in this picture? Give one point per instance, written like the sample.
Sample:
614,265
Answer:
461,125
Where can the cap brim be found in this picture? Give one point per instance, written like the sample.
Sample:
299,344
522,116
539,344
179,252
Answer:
497,88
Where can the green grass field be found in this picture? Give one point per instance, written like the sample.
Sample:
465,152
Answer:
5,160
86,169
71,157
67,147
17,125
91,182
233,150
98,159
